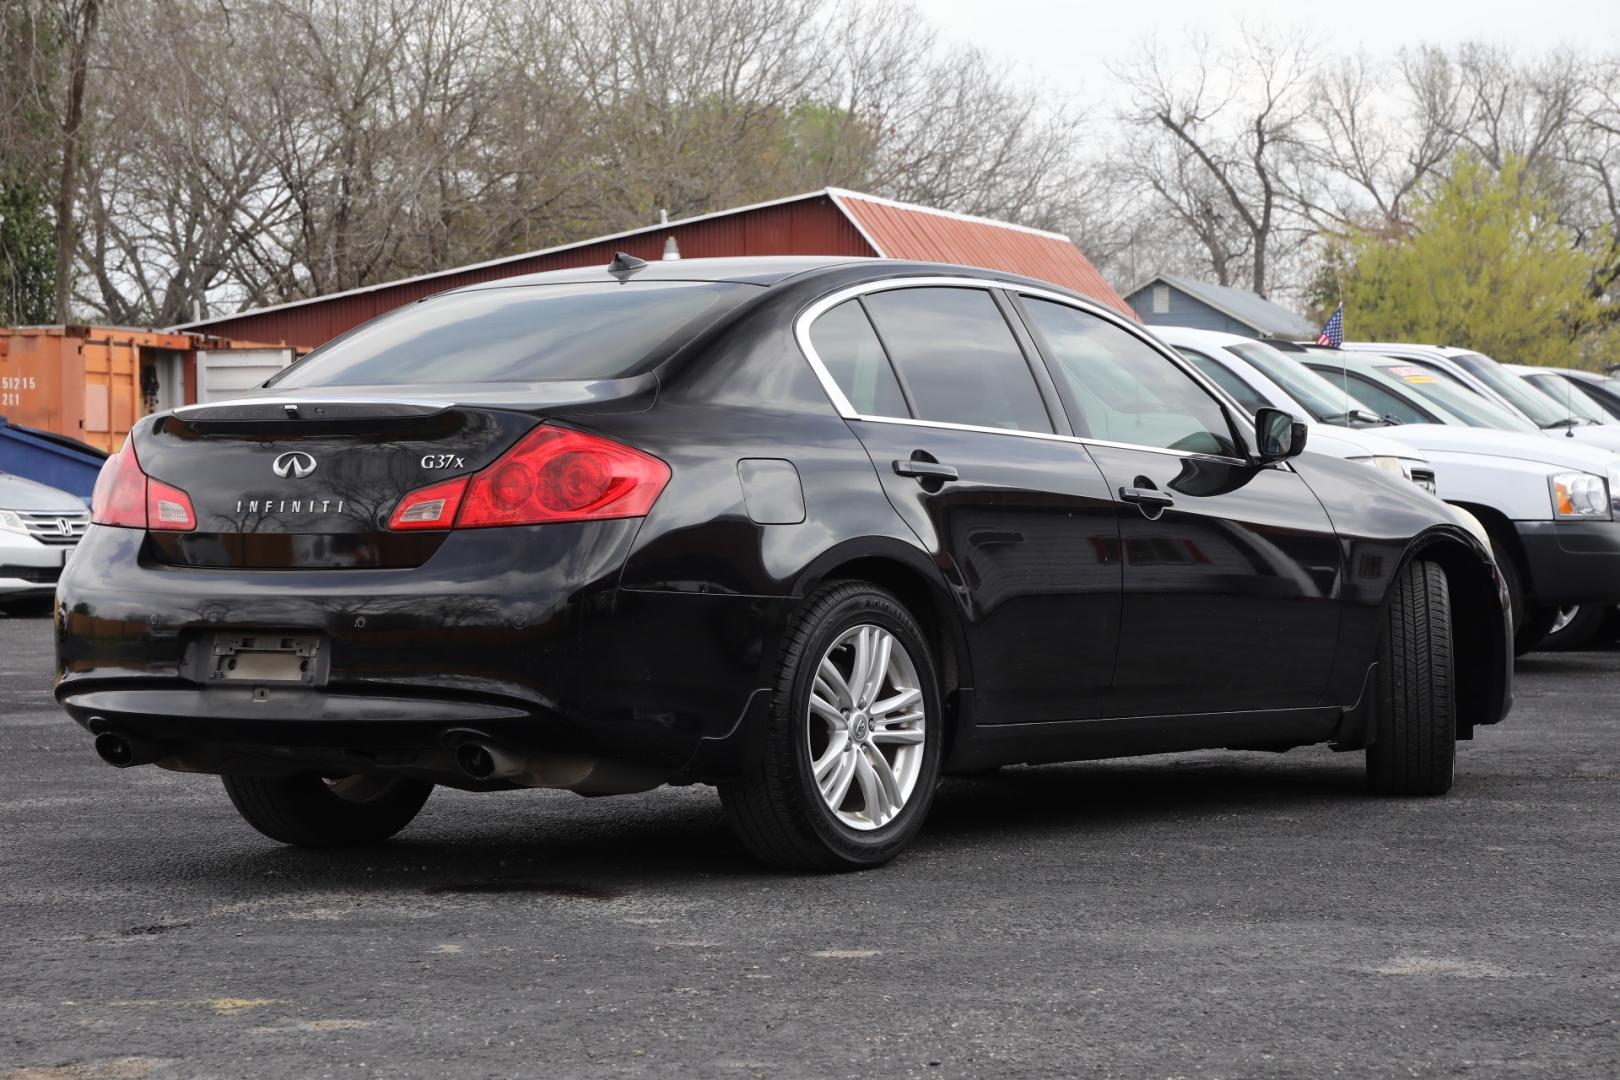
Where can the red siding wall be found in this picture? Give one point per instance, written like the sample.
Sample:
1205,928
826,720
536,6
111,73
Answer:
811,226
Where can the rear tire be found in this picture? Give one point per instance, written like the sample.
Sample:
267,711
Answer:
1414,749
790,813
309,811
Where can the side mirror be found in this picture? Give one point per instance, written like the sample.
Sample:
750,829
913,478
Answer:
1278,435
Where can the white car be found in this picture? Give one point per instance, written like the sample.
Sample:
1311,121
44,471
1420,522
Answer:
1547,503
1225,358
1584,393
39,527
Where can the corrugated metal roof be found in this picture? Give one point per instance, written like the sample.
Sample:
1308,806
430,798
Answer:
906,231
1249,308
826,222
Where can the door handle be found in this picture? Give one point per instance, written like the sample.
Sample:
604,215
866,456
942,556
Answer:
924,470
1146,497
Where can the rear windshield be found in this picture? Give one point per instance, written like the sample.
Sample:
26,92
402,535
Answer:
523,333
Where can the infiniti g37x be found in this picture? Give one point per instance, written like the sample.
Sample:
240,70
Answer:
814,531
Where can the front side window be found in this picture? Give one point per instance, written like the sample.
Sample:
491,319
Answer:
958,357
521,334
1124,389
850,351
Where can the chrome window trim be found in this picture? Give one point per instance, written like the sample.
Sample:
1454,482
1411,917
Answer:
806,318
905,421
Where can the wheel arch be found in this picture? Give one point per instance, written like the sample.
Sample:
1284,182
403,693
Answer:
1481,627
917,584
1503,535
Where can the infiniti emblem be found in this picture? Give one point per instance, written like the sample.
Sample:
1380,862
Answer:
296,464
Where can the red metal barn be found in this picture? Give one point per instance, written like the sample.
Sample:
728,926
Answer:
827,222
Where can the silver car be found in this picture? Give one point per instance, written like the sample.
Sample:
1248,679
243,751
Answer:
39,527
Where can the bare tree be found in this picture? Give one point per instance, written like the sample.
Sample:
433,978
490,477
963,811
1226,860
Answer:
1219,136
1365,152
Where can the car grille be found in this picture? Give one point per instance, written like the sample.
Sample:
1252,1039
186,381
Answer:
1424,478
58,529
40,575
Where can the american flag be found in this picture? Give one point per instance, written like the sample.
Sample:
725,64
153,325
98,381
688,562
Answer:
1332,334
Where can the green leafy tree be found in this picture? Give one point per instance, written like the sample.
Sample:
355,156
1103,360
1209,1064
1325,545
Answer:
1485,266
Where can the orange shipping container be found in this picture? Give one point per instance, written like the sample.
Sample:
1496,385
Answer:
93,382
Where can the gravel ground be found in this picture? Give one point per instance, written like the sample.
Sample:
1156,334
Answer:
1203,915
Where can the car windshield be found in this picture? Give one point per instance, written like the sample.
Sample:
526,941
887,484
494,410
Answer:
1325,402
1471,408
1569,395
1520,394
521,333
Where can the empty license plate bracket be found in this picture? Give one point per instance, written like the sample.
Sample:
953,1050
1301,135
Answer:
267,657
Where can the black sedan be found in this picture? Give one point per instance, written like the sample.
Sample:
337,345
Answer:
815,531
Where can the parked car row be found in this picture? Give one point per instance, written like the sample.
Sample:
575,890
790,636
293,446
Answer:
814,531
1544,503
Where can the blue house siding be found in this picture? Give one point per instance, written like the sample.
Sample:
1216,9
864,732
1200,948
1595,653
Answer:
1185,311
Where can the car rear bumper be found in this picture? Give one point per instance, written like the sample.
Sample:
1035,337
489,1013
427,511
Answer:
518,635
1572,562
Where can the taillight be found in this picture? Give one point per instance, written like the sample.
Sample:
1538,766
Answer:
125,496
550,475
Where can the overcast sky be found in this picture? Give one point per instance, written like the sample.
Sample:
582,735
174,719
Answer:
1068,44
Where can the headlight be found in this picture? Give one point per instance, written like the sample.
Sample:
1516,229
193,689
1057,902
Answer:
1579,496
10,522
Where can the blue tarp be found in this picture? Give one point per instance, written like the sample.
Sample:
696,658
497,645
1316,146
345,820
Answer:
48,458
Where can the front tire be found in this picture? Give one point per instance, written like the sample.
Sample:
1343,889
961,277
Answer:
1531,621
1414,749
311,811
1574,628
849,758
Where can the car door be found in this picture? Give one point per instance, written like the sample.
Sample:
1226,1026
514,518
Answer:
1231,569
964,435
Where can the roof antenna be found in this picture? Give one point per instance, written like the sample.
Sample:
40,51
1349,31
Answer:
623,265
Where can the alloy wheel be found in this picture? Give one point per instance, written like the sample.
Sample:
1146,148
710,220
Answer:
866,727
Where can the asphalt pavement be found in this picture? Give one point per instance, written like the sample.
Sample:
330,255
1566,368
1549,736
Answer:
1202,915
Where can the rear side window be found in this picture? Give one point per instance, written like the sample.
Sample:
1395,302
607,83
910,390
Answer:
959,358
522,333
853,356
